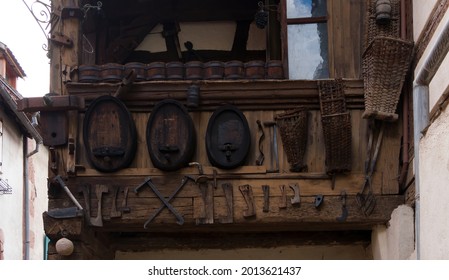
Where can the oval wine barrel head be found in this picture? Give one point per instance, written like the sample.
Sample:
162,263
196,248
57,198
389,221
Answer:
227,138
170,136
109,134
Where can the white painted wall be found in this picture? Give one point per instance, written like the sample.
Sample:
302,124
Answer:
395,241
421,11
434,190
433,157
11,205
37,176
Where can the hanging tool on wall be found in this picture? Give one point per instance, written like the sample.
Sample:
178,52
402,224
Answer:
98,220
365,198
274,158
60,181
344,210
296,199
206,215
266,198
166,202
84,189
207,195
228,193
115,213
69,212
261,157
247,193
125,208
318,200
283,201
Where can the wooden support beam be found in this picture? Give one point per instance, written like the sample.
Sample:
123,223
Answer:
50,103
304,217
247,94
227,241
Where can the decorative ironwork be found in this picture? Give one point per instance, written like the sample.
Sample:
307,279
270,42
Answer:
47,20
87,7
5,188
41,11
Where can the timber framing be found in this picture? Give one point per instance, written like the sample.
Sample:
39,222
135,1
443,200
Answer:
252,205
247,94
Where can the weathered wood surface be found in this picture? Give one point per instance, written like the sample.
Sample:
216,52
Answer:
345,33
53,103
226,241
246,94
387,165
191,204
190,201
314,157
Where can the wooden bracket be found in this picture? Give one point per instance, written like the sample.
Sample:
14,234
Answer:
61,39
51,102
53,108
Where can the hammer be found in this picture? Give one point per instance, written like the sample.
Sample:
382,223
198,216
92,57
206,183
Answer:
274,146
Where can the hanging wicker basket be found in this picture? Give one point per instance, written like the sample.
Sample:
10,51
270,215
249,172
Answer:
293,130
385,64
373,29
336,122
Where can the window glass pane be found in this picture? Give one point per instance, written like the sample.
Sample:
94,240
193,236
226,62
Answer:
307,51
306,8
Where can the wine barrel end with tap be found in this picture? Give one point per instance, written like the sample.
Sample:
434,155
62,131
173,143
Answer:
227,138
170,136
109,134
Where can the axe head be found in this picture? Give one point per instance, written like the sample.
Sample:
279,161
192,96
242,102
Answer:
65,213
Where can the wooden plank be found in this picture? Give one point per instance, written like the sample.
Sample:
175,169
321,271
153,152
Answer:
187,201
226,241
304,217
389,158
247,95
55,103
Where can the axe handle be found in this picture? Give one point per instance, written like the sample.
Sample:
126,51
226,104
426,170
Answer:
68,192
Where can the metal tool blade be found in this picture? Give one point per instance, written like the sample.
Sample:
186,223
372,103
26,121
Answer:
65,213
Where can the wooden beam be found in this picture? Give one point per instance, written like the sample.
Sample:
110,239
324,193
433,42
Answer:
240,39
50,103
303,217
247,94
226,241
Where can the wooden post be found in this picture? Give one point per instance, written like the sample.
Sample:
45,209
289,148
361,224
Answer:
62,56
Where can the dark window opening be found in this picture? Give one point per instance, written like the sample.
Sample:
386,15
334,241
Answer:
203,30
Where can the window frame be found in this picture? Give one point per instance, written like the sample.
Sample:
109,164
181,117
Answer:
285,22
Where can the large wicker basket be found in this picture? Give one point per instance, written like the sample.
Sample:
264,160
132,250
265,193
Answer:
373,29
336,122
293,130
385,64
